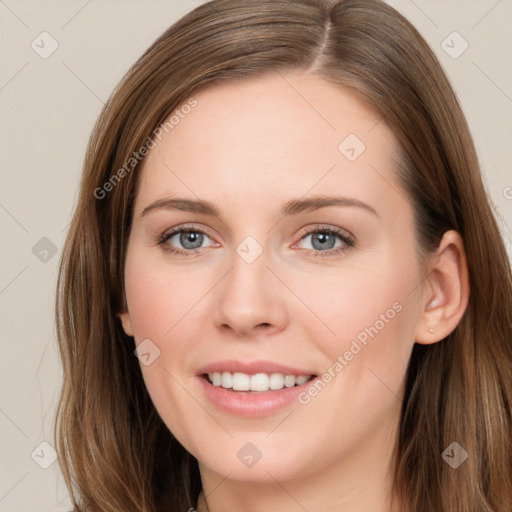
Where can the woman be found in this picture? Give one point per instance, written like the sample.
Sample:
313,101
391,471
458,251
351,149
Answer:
283,285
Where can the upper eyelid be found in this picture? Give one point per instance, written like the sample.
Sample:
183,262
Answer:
185,227
308,230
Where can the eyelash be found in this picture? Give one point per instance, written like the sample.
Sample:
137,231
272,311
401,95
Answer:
347,240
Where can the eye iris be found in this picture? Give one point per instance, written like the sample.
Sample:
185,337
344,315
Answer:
187,237
327,240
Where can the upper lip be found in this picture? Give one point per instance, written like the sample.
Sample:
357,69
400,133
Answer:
252,367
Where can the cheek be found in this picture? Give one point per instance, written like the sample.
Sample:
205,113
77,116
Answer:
364,324
350,301
365,360
160,305
157,297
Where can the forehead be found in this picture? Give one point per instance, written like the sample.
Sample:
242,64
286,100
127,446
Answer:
269,138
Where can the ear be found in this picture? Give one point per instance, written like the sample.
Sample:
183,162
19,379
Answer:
446,291
126,321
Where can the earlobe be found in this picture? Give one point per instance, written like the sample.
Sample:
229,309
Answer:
446,291
126,322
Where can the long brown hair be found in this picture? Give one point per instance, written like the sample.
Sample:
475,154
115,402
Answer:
114,450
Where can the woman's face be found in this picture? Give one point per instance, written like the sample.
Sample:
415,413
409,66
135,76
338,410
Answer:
272,283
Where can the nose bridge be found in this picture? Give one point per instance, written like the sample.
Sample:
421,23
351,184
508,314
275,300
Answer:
249,295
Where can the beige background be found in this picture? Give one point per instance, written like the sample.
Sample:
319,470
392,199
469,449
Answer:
48,108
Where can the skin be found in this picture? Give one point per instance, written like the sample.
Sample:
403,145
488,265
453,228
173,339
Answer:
249,148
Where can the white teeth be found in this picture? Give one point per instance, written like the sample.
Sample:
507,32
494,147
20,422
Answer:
301,380
289,381
241,381
227,380
277,381
257,382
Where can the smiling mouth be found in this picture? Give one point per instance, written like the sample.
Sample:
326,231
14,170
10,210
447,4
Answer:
255,383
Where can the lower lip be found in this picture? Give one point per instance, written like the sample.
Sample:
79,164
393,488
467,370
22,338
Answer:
251,405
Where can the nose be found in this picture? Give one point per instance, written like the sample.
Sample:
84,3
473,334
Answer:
250,299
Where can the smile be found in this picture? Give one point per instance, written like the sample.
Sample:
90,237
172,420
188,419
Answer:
248,402
258,382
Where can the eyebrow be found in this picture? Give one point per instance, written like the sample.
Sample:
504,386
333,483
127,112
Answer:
293,207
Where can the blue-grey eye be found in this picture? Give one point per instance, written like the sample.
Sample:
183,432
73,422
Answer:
191,239
324,240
